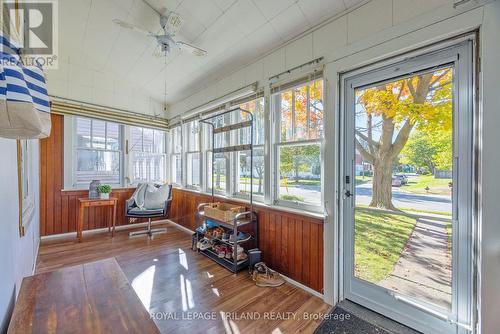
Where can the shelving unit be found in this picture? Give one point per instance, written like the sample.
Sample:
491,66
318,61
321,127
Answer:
241,219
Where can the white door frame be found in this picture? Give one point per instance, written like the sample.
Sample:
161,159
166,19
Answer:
462,314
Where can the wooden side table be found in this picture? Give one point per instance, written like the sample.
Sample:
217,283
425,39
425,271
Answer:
86,202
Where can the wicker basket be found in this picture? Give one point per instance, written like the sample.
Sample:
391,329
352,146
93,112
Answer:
223,211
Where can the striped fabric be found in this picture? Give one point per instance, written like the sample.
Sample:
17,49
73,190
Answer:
24,99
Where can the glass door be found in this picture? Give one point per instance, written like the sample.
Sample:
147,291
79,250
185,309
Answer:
407,190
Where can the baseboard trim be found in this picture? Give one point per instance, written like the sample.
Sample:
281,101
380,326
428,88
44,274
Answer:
102,230
179,226
303,287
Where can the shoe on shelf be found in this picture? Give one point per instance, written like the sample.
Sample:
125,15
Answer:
226,236
204,244
242,236
265,277
242,256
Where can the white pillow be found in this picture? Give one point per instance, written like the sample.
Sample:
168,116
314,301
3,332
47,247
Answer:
155,198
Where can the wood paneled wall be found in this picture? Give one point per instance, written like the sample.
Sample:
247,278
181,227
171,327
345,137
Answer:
291,244
59,209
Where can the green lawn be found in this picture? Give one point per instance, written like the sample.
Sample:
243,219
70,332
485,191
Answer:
379,240
292,182
363,179
418,184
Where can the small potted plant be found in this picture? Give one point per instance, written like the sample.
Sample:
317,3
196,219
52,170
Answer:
104,190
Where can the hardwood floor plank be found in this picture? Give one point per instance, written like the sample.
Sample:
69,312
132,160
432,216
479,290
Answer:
172,281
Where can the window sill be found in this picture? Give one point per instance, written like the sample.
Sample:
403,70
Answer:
258,204
86,189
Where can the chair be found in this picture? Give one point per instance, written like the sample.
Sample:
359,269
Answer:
133,211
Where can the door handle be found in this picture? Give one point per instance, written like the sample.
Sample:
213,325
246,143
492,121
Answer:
347,193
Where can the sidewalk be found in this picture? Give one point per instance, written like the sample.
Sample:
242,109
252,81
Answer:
424,268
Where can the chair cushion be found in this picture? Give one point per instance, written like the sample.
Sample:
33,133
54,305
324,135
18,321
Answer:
145,212
155,198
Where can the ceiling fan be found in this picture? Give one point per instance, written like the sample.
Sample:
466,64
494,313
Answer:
171,24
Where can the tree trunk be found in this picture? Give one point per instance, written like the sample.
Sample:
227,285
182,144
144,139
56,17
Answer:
382,185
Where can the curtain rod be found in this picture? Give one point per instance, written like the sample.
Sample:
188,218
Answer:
62,99
299,67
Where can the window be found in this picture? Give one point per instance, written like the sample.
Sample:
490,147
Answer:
242,175
221,163
193,155
176,155
299,112
147,154
98,152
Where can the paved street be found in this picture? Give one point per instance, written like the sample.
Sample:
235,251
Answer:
403,199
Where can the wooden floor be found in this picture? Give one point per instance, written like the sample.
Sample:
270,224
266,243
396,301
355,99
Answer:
186,292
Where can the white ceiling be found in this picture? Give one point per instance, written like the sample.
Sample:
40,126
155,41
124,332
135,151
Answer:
234,32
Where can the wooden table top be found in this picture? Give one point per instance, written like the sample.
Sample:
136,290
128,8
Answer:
91,298
86,199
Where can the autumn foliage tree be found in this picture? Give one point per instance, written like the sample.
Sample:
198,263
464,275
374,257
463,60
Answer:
301,120
390,111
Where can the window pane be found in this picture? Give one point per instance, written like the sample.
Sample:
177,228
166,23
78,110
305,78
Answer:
159,142
219,172
148,167
97,165
286,133
135,139
316,109
113,136
176,140
176,169
257,108
300,174
192,135
83,126
147,140
300,102
244,172
193,171
98,134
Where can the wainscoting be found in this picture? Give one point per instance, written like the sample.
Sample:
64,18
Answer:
291,243
58,208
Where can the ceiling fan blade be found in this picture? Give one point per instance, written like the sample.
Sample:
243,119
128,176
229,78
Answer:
131,26
193,49
158,53
174,23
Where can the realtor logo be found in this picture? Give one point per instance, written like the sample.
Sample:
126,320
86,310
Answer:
33,26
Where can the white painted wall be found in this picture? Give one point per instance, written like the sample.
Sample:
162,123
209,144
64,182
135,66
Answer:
490,162
17,255
376,31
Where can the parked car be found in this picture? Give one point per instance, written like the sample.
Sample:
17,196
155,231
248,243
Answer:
396,182
402,178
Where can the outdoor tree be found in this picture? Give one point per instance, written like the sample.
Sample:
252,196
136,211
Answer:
301,120
390,112
432,150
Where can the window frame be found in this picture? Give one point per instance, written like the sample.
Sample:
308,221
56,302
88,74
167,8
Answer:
76,148
277,144
208,154
235,162
187,152
174,155
130,153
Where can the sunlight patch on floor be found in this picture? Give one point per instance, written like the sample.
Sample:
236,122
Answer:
183,259
229,326
143,286
187,293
